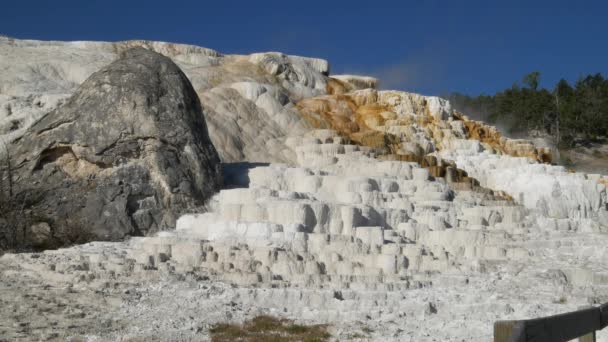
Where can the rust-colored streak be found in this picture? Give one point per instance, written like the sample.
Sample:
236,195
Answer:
336,87
362,119
489,135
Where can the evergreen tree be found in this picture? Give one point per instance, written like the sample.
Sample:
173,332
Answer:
532,80
571,114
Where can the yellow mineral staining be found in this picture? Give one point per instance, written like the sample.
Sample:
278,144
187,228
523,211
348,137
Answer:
363,111
406,127
485,134
364,120
370,116
356,120
457,179
337,87
381,141
490,136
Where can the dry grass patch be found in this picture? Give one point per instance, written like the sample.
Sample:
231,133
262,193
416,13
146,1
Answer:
271,329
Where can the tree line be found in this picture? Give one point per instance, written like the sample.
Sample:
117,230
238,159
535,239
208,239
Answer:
571,114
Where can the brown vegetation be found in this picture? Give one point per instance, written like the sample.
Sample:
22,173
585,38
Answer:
268,328
12,226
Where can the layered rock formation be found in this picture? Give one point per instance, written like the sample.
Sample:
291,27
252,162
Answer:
126,155
249,101
341,219
409,125
376,249
343,204
412,127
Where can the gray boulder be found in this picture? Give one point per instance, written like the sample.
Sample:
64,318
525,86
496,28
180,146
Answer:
126,155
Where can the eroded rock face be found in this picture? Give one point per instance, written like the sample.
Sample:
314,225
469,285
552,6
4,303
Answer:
341,219
126,155
248,100
387,207
406,124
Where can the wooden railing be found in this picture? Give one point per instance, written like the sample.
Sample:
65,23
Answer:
580,324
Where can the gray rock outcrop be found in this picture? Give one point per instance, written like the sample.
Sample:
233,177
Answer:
126,155
249,101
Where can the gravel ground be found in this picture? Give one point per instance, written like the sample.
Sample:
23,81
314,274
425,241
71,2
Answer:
93,293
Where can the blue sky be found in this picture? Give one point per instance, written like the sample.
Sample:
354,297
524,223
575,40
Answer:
431,47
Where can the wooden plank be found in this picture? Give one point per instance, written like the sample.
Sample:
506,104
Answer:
587,338
503,330
591,336
509,331
563,327
604,316
519,333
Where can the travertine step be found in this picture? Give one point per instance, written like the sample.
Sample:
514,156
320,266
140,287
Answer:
325,225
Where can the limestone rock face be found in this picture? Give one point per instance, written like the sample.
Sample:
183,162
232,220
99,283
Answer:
415,128
340,84
407,124
126,154
344,204
248,100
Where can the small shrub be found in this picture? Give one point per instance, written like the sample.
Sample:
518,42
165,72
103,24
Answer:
12,219
597,154
357,336
268,328
568,162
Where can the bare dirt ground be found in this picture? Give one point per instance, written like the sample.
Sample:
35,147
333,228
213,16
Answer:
592,159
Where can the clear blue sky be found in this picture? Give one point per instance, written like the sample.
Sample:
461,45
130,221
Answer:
425,46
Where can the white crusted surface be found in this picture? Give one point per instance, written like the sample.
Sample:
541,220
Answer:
331,236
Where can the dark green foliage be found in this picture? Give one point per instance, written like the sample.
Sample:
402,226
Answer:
532,80
573,115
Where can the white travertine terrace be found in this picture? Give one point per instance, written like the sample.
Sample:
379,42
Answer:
348,221
313,227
